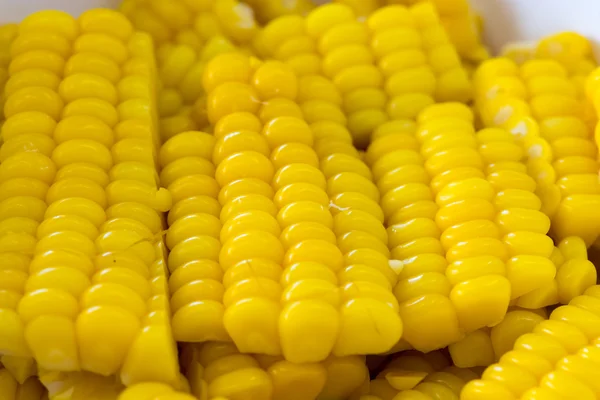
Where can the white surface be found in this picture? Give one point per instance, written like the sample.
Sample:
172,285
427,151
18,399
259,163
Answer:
15,10
528,20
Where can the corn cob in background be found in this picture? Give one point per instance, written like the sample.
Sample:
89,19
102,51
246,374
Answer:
539,105
553,361
187,34
11,389
412,375
348,61
7,35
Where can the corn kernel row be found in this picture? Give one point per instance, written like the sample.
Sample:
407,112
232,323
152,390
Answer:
308,244
546,362
191,22
561,154
12,389
419,60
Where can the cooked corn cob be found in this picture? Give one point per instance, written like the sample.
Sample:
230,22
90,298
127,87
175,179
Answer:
191,22
307,246
463,26
553,361
95,200
540,107
418,376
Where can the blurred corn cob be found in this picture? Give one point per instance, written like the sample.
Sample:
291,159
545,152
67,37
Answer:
463,26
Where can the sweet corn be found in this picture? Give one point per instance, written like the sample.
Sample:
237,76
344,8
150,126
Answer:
462,25
540,107
553,361
88,238
191,22
297,194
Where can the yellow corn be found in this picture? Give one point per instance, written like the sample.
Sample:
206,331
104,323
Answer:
412,375
552,361
462,25
12,388
541,108
81,229
267,10
191,22
290,187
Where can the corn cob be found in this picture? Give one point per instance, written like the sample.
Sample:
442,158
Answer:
12,389
153,391
463,26
552,130
547,362
95,237
412,375
191,22
219,369
299,247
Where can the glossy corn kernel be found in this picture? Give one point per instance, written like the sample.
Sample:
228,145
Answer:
280,241
94,295
540,107
555,360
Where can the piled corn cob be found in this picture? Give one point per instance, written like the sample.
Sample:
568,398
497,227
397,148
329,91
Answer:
80,213
539,104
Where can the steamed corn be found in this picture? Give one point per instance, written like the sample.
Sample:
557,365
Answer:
168,186
87,199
